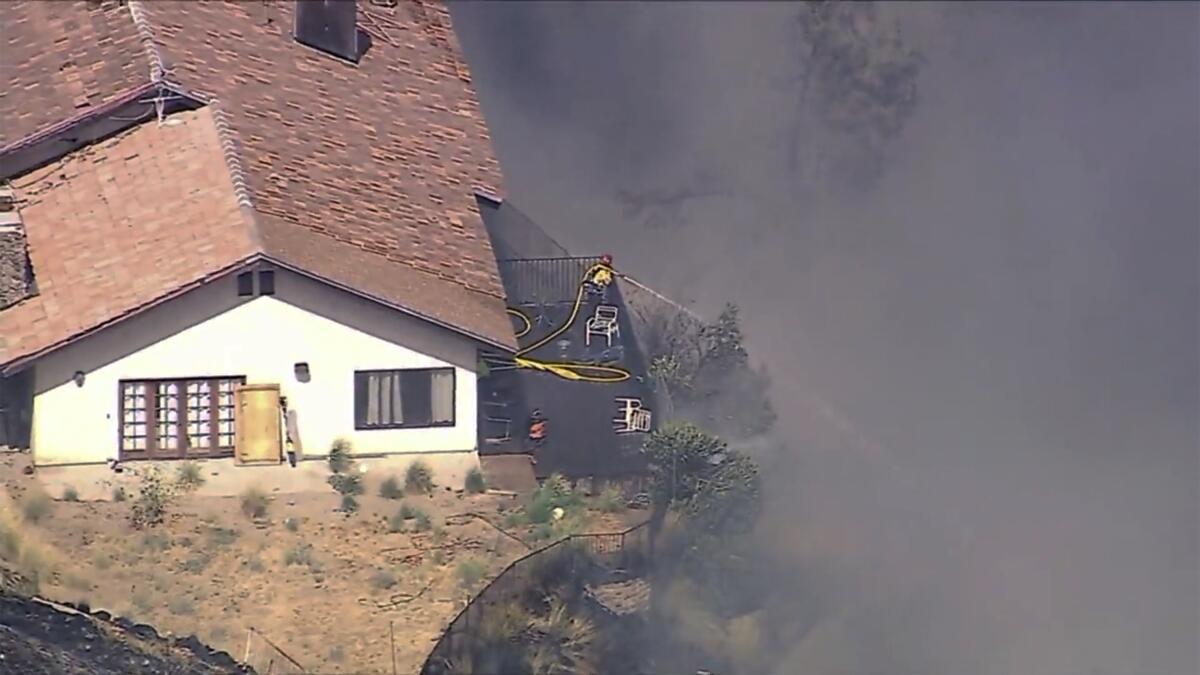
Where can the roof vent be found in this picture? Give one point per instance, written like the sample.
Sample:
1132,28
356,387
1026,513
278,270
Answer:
329,26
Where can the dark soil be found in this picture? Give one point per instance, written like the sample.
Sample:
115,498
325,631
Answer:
37,638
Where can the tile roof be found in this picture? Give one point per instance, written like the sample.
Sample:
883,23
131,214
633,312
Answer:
98,232
361,174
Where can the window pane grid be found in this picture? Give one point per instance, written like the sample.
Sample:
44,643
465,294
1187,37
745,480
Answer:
183,417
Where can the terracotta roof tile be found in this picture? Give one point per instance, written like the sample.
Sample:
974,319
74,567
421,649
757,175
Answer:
104,228
61,59
348,167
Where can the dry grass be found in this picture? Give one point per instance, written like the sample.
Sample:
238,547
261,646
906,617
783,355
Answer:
206,571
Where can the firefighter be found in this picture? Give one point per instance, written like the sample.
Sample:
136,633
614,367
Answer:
537,428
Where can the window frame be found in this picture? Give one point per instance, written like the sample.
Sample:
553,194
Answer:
151,451
361,425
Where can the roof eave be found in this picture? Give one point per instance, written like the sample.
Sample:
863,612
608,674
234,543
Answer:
490,342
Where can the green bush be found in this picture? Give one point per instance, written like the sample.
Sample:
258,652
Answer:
292,524
155,542
70,494
422,524
469,573
409,512
390,488
197,563
395,523
418,478
349,504
346,484
154,498
181,606
255,503
118,494
339,456
300,554
610,500
475,483
222,536
542,532
35,506
189,476
554,493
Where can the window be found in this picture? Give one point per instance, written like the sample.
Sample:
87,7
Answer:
245,282
398,399
177,418
266,282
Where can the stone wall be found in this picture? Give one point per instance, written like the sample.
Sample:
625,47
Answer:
14,267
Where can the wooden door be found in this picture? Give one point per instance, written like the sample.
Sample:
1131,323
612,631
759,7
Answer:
258,427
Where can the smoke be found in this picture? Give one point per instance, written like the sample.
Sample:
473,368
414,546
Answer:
1010,312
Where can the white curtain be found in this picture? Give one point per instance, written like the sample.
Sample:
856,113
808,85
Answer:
397,408
372,399
442,396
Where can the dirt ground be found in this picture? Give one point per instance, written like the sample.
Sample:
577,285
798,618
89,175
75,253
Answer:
325,587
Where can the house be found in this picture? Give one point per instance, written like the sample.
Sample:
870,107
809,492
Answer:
248,228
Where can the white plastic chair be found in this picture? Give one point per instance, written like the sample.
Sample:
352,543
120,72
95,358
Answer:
603,323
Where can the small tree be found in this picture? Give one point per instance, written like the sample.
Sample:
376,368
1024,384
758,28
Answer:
155,495
695,473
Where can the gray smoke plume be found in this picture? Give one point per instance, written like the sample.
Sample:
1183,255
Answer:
1010,310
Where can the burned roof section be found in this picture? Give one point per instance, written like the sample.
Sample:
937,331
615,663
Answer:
580,369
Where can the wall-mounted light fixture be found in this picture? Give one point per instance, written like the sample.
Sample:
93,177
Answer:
301,370
78,378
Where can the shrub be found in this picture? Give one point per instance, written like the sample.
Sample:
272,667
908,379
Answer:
390,488
181,606
337,654
255,564
349,504
409,512
300,554
418,478
35,506
542,532
395,523
611,500
118,494
197,563
156,542
142,601
469,572
255,503
154,498
292,524
346,484
422,524
188,476
70,494
339,456
475,483
382,579
222,536
513,519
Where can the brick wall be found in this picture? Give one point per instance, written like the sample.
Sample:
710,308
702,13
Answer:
13,267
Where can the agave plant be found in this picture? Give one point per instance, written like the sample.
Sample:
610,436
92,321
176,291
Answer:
562,642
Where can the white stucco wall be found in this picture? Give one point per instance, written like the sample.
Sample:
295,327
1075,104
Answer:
213,332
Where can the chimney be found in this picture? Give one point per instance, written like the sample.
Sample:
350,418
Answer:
16,275
329,26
